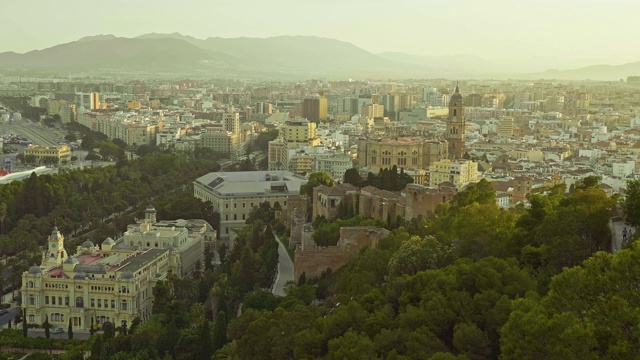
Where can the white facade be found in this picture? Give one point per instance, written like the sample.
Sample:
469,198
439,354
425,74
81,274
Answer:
624,169
234,194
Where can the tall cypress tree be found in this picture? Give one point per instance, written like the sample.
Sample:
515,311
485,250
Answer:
46,326
24,322
219,332
70,330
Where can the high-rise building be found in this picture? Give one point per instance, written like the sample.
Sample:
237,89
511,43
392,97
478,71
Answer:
455,133
232,122
315,109
299,132
372,111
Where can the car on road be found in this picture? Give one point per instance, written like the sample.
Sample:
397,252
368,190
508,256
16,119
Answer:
57,330
3,311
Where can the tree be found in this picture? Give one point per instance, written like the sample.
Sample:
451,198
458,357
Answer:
70,330
219,332
3,214
420,253
46,327
352,176
316,179
109,330
24,322
631,204
206,344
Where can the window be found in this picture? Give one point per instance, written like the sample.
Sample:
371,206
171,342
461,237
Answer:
226,206
99,303
123,305
32,318
53,300
46,300
226,217
79,302
59,300
243,216
113,304
93,303
66,301
235,216
244,205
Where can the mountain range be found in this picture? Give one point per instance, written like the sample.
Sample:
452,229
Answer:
289,57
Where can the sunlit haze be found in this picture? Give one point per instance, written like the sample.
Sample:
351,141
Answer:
569,29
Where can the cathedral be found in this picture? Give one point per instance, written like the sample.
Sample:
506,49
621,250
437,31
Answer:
455,133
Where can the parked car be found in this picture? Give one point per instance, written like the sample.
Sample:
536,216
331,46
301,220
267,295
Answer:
3,311
57,330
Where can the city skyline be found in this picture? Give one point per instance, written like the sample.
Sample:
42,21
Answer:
491,29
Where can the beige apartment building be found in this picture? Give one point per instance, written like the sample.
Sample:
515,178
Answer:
299,132
57,154
223,142
458,172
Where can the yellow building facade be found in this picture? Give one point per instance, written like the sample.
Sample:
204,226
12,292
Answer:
112,282
55,154
458,172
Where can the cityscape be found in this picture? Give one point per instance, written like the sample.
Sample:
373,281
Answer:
179,191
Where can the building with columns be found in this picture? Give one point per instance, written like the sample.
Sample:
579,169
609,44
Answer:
114,281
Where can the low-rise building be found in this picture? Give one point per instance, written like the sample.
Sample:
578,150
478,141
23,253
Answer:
234,194
48,154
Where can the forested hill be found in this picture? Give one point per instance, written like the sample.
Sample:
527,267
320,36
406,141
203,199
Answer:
471,282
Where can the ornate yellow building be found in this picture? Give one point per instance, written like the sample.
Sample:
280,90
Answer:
57,154
112,282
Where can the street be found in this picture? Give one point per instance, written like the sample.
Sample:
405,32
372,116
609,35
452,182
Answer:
285,270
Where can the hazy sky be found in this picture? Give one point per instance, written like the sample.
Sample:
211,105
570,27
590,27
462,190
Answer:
573,29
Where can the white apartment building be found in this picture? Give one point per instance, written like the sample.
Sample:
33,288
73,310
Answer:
624,169
234,194
334,164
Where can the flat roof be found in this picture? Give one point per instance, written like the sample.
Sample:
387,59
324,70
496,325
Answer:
136,262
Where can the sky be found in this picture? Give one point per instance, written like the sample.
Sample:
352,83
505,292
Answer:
568,29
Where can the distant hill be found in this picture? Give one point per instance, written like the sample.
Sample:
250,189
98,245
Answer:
108,51
288,57
322,56
596,72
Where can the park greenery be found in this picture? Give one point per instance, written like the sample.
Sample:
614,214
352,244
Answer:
387,179
98,202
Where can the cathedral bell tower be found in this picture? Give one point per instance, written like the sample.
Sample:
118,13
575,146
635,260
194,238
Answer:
456,126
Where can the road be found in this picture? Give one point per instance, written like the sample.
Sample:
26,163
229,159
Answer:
617,229
4,319
285,270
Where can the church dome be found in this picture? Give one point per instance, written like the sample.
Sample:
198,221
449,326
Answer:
87,244
81,276
35,270
55,234
71,260
109,241
150,210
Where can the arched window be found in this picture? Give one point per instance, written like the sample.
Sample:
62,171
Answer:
30,284
455,111
79,302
